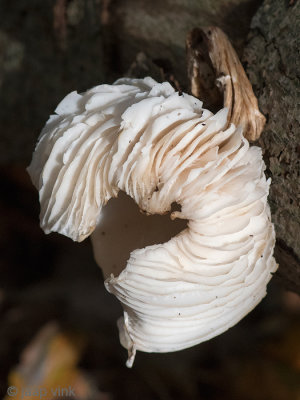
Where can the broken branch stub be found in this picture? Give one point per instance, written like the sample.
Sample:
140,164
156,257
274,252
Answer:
214,68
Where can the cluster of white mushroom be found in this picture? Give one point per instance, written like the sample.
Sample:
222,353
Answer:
160,147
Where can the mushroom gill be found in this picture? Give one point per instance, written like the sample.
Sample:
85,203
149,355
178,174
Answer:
161,147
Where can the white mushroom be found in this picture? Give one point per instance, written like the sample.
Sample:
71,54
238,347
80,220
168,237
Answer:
160,147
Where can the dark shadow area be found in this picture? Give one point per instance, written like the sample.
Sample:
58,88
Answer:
123,228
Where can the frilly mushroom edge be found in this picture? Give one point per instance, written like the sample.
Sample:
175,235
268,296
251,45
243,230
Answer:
160,147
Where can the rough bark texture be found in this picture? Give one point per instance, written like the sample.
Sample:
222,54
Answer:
273,66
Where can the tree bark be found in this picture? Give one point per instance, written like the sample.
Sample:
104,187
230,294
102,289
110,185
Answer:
272,62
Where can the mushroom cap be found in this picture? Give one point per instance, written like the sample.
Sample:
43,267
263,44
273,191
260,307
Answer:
161,147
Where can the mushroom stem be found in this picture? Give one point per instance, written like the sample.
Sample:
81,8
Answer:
214,68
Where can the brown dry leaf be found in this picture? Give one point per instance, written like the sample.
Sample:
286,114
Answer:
213,64
48,369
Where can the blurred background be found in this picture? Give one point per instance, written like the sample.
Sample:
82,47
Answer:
57,322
